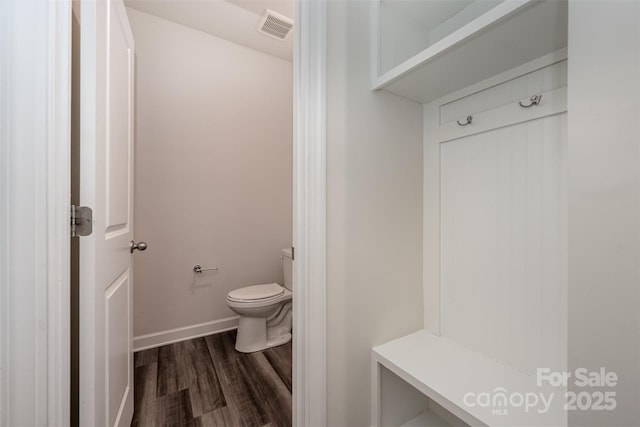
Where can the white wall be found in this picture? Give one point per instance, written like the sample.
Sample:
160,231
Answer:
374,216
213,176
604,190
402,33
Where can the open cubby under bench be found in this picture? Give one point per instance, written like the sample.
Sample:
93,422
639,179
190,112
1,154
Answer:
427,380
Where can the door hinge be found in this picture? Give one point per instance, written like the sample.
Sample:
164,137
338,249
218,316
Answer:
293,253
81,221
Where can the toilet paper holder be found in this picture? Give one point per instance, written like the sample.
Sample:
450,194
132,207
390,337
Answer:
199,269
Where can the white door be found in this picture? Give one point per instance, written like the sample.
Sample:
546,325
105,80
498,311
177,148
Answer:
106,185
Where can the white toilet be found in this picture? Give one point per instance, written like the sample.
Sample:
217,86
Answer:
265,311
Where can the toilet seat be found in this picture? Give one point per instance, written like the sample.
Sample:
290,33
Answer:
256,293
277,295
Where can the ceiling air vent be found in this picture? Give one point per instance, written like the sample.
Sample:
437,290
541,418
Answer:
274,25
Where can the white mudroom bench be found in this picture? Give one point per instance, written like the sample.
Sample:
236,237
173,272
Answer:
427,380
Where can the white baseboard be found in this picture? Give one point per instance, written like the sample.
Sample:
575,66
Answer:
170,336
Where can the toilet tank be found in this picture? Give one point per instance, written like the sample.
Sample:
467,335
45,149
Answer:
287,268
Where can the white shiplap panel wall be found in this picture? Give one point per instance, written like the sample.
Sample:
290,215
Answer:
502,233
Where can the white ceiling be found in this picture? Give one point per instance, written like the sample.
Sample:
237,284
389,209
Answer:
233,20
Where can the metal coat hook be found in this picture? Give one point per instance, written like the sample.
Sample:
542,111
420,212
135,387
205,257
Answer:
534,100
467,122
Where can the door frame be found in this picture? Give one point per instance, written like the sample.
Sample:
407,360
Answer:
35,70
46,173
309,213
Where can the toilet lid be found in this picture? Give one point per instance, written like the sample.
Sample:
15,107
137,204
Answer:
256,292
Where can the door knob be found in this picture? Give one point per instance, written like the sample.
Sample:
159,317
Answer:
141,246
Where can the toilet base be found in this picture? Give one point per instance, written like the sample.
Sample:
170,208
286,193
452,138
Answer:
260,333
278,341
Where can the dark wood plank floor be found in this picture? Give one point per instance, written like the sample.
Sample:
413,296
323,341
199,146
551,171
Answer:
206,382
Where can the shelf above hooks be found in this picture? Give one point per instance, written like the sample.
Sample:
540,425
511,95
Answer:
497,37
